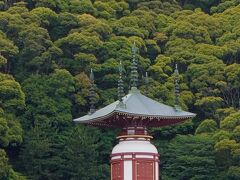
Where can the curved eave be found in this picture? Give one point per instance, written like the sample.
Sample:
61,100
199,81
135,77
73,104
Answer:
121,119
92,120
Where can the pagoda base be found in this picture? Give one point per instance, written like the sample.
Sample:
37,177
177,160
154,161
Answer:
134,158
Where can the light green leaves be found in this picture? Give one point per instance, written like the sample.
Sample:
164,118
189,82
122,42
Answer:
207,126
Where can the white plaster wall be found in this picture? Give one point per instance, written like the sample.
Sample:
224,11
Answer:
116,157
145,156
157,170
128,170
134,146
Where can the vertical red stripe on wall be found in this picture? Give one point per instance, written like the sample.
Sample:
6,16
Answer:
154,169
134,175
122,167
111,172
159,172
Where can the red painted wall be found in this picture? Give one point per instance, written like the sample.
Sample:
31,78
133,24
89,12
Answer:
117,170
145,170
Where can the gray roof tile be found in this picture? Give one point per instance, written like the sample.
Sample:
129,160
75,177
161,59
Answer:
136,104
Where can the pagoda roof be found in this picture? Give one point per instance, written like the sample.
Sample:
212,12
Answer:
135,109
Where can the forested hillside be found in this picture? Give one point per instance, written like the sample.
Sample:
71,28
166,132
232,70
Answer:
47,48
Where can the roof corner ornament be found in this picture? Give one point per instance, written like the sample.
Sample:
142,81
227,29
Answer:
134,72
120,86
177,89
146,84
92,94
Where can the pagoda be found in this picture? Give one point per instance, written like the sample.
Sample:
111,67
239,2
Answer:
134,157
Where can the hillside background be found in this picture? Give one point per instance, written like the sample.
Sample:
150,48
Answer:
47,48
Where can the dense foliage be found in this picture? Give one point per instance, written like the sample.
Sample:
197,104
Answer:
47,48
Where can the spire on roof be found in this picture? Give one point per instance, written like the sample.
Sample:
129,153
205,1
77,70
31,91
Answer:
134,72
120,84
92,76
92,94
177,89
146,84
